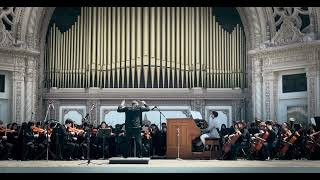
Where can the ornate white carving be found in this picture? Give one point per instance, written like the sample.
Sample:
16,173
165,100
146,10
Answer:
290,24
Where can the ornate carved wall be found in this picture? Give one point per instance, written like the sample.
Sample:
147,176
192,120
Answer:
275,44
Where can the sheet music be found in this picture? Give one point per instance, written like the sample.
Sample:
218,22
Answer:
313,122
196,115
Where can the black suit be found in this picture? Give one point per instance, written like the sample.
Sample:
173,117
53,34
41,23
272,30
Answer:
133,124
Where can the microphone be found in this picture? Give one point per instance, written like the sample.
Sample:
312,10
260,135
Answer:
153,108
92,107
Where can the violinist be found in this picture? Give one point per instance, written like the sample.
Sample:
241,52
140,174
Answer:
69,147
146,140
28,140
163,139
5,146
241,142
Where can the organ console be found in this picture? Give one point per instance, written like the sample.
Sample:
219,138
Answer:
188,131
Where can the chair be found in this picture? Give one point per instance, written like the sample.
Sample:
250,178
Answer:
214,144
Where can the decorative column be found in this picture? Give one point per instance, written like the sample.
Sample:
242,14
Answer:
18,96
198,105
312,89
268,89
94,113
29,89
257,88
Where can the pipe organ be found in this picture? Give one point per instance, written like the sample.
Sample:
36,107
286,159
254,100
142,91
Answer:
145,47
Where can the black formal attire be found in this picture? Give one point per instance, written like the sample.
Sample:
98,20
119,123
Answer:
133,125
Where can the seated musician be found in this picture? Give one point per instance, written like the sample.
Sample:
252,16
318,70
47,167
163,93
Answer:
212,130
5,146
28,139
156,140
69,148
103,142
268,143
241,144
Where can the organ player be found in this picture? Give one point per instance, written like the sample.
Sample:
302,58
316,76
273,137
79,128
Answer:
211,131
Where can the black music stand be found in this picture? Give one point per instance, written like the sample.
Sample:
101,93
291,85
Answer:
104,133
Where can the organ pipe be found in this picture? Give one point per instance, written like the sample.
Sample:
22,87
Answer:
145,47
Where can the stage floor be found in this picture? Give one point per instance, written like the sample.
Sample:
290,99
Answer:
162,166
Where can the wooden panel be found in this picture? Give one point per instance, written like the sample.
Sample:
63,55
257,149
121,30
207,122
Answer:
188,132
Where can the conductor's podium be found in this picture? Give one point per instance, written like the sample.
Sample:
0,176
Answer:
187,130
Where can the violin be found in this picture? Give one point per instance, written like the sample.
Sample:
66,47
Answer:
37,130
147,134
5,130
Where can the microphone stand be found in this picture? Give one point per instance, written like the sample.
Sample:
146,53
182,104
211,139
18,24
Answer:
160,116
178,136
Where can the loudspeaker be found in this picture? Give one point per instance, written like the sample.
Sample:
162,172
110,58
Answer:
132,160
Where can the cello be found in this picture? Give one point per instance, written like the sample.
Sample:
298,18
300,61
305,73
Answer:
290,140
256,146
232,139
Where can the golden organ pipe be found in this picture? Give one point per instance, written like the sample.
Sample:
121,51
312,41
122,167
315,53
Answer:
104,48
210,49
145,58
58,58
134,36
54,53
172,57
69,57
139,48
50,58
202,46
128,37
168,62
118,41
183,48
82,49
214,54
123,60
163,46
237,56
72,62
89,35
158,45
240,57
224,57
113,47
206,68
98,41
152,58
177,47
67,60
94,46
109,57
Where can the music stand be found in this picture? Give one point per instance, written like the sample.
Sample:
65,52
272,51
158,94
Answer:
104,133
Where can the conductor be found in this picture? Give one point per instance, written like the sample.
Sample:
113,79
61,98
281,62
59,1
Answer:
133,123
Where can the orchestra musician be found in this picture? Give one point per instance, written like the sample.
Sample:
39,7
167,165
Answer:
133,123
265,140
5,146
237,142
212,130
